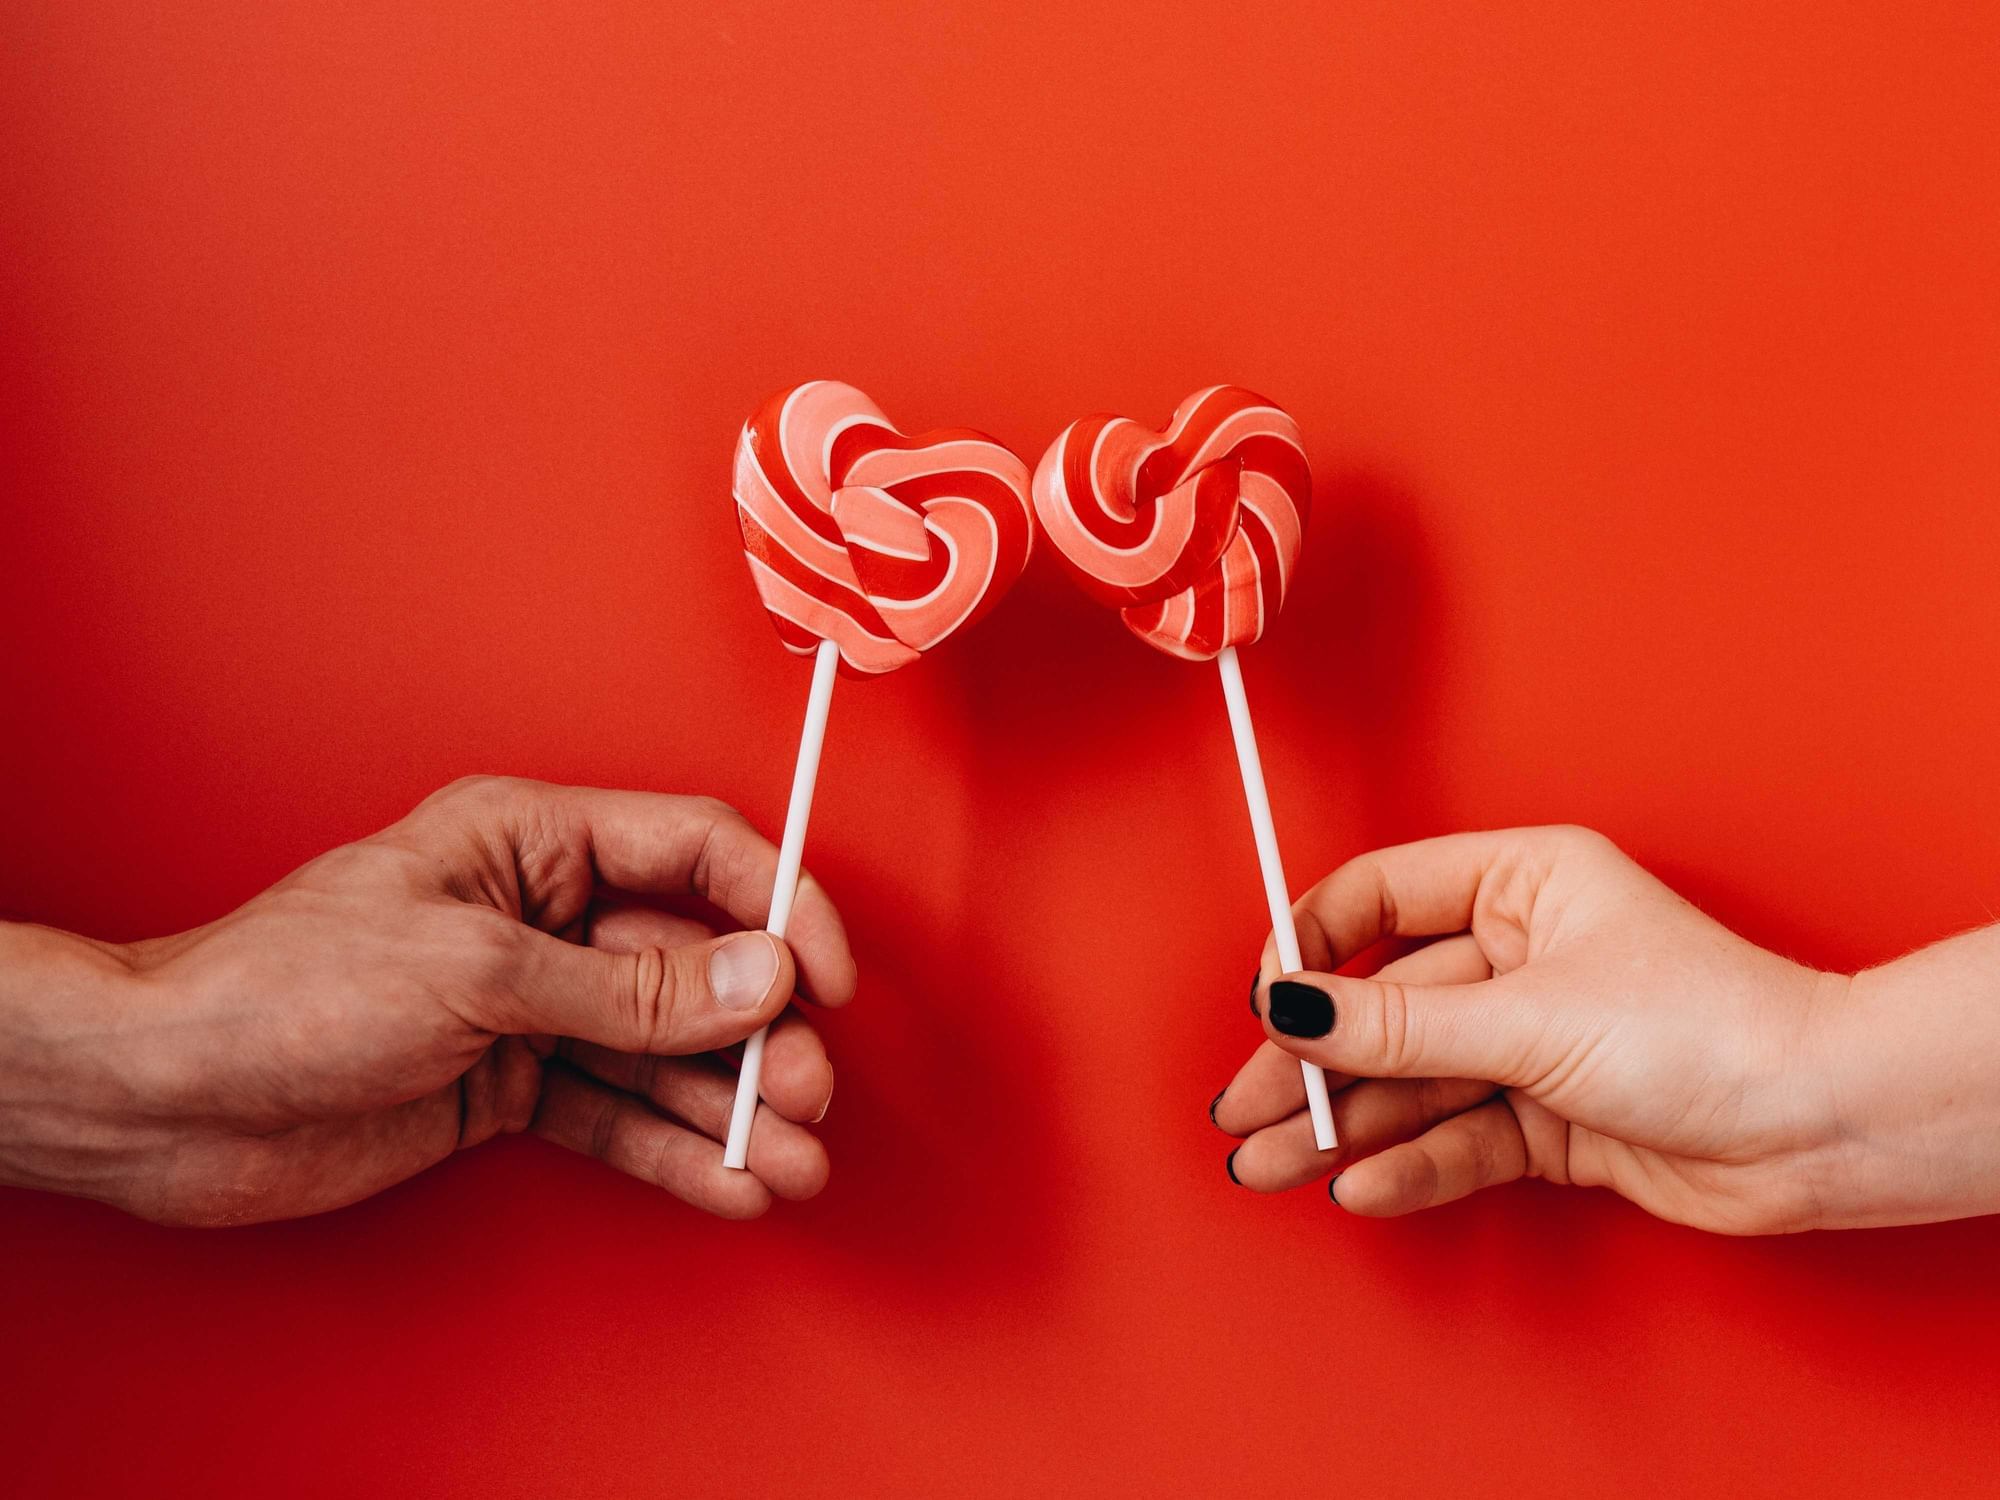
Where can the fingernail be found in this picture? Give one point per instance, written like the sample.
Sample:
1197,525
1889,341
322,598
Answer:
1255,980
1299,1009
829,1098
740,971
1333,1190
1229,1166
1213,1102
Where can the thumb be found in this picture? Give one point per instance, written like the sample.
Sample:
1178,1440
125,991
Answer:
696,997
1384,1028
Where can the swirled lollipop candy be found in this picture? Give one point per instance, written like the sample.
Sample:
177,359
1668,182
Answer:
868,547
880,543
1193,534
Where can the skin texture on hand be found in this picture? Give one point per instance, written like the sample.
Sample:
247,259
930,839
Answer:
1573,1019
510,957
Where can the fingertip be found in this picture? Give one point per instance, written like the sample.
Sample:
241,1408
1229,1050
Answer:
741,1198
1352,1195
1279,1158
798,1078
727,1192
806,1175
633,1137
828,986
1226,1115
788,1159
826,962
1399,1181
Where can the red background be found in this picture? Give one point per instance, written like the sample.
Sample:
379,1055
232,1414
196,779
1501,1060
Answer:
370,378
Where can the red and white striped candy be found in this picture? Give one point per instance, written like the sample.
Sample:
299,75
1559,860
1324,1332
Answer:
1193,533
882,543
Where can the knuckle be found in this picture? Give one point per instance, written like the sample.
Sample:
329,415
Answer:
660,1168
725,859
1398,1044
464,789
1428,1101
646,1077
603,1134
713,810
1351,877
653,997
469,798
724,831
1386,917
1578,841
483,792
663,987
1422,1181
1482,1156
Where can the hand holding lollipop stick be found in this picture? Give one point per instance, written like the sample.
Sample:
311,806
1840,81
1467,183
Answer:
868,548
1193,534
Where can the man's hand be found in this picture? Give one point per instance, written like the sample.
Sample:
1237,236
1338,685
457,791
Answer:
511,956
1575,1020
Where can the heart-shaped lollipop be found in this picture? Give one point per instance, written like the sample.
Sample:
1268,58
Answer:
879,542
1193,532
868,547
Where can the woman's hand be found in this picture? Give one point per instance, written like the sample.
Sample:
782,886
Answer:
1575,1020
511,956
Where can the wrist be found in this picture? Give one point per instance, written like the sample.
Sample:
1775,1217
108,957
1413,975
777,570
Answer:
1915,1081
66,1095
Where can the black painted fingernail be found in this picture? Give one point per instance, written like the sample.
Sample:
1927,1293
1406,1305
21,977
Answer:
1212,1103
1299,1009
1333,1190
1229,1166
1255,980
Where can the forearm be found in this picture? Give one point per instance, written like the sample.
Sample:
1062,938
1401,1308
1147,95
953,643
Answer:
65,1091
1916,1087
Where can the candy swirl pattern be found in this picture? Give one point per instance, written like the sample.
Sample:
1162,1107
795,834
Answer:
880,542
1193,533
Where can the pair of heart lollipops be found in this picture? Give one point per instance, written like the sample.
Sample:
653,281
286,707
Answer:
869,547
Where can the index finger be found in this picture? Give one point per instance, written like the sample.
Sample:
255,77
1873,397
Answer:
1483,883
655,844
565,841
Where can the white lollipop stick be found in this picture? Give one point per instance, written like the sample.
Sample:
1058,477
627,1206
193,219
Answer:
791,848
1275,891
